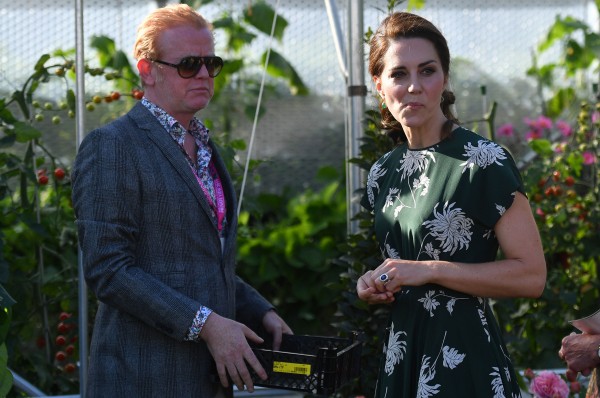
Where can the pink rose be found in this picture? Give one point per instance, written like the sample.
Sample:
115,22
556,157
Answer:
548,384
564,128
506,130
544,122
588,158
533,135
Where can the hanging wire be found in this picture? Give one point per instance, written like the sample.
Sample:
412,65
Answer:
260,93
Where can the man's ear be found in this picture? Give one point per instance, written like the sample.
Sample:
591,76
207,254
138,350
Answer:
145,70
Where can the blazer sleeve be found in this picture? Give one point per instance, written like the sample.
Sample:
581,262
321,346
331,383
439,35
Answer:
251,307
108,204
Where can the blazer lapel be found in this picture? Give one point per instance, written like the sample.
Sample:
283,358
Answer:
161,138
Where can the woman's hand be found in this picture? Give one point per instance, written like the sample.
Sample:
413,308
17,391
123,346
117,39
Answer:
371,292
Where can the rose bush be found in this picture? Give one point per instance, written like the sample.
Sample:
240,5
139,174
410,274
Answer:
561,179
548,384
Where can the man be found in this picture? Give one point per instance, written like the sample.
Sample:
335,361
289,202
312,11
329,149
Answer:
156,216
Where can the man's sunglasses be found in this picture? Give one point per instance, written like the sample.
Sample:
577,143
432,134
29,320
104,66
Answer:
189,67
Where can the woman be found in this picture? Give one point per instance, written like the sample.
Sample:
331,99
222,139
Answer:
444,200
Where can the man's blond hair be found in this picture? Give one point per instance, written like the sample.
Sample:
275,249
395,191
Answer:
161,19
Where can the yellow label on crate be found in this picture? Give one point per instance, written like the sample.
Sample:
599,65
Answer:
293,368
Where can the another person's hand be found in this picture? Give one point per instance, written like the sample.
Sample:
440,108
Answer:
580,352
369,291
227,341
276,326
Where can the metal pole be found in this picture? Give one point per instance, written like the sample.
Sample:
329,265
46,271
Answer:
336,31
21,384
356,100
80,129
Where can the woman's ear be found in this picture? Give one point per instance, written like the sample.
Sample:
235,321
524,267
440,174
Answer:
377,81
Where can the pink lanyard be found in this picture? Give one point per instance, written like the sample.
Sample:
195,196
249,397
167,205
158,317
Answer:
219,207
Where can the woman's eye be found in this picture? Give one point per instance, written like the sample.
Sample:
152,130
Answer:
398,74
428,71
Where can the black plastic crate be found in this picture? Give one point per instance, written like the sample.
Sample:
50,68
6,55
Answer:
313,364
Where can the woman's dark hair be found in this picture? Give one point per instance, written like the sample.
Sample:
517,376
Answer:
400,25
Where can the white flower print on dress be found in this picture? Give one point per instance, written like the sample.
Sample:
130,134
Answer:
450,305
398,209
432,252
389,199
501,209
484,154
497,385
425,390
375,173
422,182
452,358
395,350
429,302
451,227
413,161
484,323
389,251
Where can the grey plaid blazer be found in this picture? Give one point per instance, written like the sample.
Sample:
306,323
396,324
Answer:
152,256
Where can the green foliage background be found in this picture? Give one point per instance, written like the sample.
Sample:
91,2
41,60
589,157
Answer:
292,247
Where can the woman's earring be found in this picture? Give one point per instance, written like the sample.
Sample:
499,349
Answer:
383,105
442,101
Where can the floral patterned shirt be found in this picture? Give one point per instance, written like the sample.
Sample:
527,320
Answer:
441,203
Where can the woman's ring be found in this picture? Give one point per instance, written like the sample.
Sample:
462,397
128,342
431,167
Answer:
384,278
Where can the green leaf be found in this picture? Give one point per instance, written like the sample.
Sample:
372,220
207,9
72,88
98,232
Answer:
577,57
575,162
195,4
592,42
415,4
560,29
26,132
120,61
6,377
561,99
71,103
260,15
41,61
280,67
105,47
19,97
5,114
542,147
545,74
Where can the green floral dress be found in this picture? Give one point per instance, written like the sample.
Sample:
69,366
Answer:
441,203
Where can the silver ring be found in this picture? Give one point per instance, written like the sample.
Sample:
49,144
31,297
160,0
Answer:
384,278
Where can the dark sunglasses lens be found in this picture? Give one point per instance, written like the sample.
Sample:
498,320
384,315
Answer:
190,66
213,65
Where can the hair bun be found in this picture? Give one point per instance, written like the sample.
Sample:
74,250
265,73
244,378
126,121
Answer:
449,97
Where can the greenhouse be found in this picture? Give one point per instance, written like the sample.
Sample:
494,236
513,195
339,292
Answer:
302,134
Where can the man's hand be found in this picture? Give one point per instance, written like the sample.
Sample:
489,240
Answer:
227,342
276,326
580,352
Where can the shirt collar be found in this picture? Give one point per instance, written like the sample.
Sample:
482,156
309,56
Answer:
197,129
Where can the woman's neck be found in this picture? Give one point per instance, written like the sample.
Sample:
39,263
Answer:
425,135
